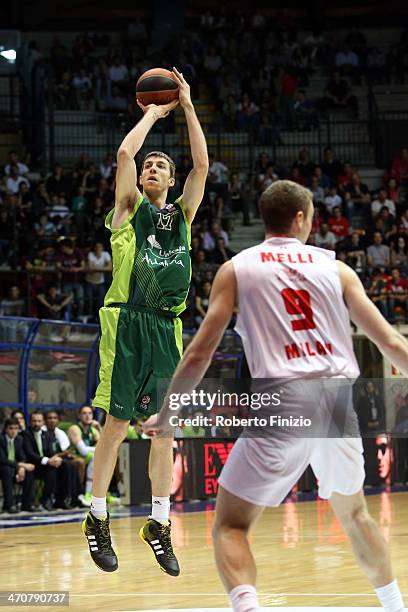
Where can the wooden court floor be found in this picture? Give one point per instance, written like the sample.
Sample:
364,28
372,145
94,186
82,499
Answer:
304,560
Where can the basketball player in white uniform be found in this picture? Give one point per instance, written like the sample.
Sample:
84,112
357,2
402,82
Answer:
294,304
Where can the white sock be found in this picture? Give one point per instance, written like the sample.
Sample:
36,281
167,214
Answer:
244,598
98,507
390,597
160,509
88,486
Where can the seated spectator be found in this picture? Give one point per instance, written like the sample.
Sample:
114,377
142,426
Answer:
332,200
378,254
356,188
347,61
345,178
22,169
217,178
304,164
377,293
212,61
71,262
325,239
403,221
118,73
399,167
239,197
296,177
52,304
381,202
370,408
57,183
399,253
45,228
19,415
14,180
48,465
13,305
117,102
338,95
209,238
14,468
355,253
64,94
201,266
338,224
323,179
397,292
267,178
305,115
60,443
221,253
317,191
99,261
201,302
107,169
84,437
90,181
82,86
386,222
393,191
331,167
247,112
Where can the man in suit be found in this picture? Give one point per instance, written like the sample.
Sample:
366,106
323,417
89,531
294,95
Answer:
14,467
38,447
67,496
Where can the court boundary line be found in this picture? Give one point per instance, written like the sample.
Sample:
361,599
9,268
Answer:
261,595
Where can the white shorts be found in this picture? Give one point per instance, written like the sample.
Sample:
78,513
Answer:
263,471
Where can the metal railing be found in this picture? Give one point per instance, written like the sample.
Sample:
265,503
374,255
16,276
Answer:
54,364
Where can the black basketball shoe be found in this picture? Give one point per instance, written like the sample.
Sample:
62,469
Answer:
157,537
99,540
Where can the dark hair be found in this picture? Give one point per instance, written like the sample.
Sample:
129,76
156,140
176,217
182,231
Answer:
280,202
17,411
36,412
164,156
85,406
10,421
53,411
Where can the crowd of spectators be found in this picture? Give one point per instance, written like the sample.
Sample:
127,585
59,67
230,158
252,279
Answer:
49,459
54,230
254,68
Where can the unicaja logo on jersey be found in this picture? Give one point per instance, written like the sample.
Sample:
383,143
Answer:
153,242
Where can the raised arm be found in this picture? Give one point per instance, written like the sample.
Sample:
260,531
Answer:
127,193
368,318
195,184
199,352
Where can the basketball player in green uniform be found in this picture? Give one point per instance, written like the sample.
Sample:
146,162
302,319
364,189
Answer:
141,338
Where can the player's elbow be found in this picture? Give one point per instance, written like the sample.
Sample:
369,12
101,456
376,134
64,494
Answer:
123,156
394,343
201,166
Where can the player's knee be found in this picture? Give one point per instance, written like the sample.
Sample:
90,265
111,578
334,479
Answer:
116,429
355,516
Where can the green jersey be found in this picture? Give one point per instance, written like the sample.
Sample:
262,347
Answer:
151,260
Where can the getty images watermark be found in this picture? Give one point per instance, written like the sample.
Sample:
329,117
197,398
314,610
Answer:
221,400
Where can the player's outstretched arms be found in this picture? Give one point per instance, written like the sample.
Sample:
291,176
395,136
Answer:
127,192
367,317
194,187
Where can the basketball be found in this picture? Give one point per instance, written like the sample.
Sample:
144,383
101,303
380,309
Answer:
156,86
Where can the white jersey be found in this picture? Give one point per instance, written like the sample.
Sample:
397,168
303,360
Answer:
292,317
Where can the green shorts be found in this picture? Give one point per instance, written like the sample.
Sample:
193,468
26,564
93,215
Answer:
138,347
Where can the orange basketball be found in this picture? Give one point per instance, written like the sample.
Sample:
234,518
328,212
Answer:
156,86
